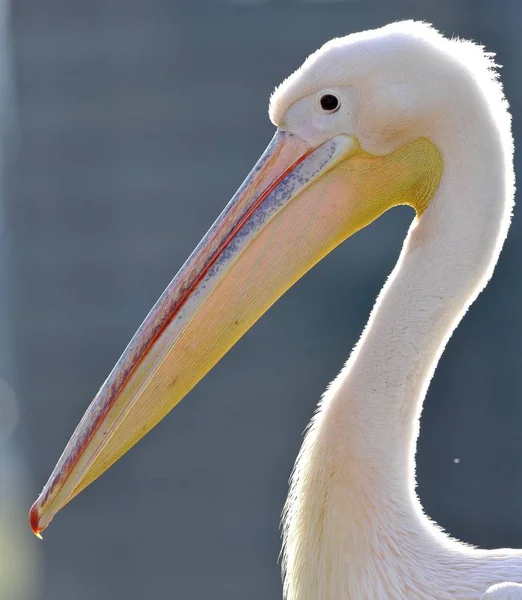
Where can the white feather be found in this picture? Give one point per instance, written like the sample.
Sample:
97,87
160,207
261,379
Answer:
353,526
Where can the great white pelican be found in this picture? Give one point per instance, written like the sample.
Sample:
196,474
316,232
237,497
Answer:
398,115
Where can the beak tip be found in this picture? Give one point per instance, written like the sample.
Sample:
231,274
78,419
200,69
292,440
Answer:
34,520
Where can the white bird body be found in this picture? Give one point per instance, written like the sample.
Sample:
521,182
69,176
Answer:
415,119
354,528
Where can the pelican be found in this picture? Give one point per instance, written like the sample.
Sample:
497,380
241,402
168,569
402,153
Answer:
393,116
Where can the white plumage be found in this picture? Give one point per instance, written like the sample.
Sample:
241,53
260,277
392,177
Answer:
353,526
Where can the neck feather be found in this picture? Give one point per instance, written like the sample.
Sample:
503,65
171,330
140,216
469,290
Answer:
353,526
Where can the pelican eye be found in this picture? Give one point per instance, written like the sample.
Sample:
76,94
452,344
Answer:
329,103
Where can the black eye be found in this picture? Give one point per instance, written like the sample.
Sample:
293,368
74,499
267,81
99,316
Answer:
329,103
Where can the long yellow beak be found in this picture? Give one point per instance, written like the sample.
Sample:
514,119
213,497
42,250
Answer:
295,206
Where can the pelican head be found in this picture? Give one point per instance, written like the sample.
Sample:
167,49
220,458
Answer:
358,130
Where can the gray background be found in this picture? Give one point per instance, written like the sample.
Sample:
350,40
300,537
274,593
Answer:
135,122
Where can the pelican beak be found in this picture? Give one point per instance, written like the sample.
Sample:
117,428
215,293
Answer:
295,206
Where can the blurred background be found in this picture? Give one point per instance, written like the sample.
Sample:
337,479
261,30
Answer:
126,125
